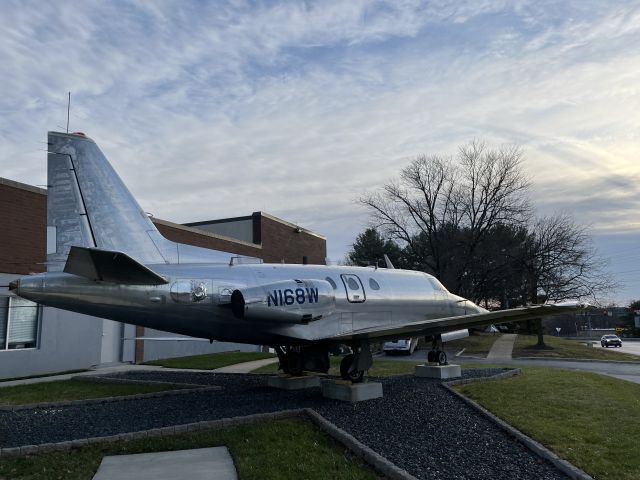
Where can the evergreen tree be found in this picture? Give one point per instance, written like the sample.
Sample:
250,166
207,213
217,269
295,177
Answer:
370,248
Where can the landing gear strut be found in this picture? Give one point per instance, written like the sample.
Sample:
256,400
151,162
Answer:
290,360
295,360
352,366
436,354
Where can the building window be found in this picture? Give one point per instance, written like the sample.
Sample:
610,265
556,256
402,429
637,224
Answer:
19,320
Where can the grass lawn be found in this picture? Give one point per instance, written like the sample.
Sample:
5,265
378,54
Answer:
588,419
71,390
284,449
380,368
477,344
562,348
210,361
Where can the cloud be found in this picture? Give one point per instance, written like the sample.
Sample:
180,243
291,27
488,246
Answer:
218,109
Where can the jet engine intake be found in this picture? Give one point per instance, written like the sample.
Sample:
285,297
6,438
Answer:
289,301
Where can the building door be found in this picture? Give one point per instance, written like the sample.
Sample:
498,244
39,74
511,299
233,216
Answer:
111,342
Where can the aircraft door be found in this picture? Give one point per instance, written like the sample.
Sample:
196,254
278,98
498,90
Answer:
354,288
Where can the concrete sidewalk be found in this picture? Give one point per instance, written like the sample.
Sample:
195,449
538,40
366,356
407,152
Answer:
503,347
245,367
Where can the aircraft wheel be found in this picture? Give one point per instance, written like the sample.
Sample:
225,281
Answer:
354,376
442,357
431,356
294,363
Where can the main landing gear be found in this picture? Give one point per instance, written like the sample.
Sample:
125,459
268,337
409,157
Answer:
436,354
295,360
315,358
352,366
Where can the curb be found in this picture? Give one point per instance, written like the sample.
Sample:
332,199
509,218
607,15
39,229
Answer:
122,398
564,466
512,372
17,452
375,460
586,360
127,381
370,457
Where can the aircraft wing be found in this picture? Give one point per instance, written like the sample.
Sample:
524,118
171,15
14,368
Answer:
446,324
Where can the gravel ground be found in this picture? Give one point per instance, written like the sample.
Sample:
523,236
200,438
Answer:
418,425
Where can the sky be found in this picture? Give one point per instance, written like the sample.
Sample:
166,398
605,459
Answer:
218,109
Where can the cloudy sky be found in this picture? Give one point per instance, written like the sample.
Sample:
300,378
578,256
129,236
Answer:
216,109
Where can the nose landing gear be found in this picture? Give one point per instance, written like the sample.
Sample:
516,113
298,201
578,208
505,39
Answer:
436,354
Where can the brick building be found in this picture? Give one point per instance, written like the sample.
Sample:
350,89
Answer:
36,339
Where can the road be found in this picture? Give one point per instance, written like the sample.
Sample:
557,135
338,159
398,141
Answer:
628,346
624,371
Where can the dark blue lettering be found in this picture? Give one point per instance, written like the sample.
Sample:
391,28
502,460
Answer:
288,297
272,298
299,295
312,293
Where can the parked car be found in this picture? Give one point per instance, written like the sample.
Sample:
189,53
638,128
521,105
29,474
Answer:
407,346
608,340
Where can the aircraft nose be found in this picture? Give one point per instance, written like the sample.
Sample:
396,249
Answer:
14,286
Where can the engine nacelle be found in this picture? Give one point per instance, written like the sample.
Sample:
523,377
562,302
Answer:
455,335
289,301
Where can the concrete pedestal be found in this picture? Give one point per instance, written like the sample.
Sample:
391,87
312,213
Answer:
438,371
286,382
351,392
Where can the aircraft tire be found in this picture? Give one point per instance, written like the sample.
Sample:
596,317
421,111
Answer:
442,357
431,356
354,376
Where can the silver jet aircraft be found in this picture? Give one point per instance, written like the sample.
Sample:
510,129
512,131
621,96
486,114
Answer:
111,262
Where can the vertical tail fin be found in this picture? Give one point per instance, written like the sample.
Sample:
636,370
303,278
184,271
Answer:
89,206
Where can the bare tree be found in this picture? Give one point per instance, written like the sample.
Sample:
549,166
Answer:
443,208
561,263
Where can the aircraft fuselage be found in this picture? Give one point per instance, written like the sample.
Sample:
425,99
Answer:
256,303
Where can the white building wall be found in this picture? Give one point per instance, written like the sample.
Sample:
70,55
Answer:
155,349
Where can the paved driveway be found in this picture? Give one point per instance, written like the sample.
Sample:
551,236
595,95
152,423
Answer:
625,371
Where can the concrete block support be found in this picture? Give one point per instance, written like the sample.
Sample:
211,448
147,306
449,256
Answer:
438,371
351,392
285,382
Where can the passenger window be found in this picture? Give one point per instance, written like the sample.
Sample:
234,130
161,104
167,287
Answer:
331,282
373,284
353,285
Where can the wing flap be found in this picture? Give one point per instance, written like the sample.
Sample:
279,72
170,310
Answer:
441,325
110,266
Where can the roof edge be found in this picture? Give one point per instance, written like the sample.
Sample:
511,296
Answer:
22,186
204,233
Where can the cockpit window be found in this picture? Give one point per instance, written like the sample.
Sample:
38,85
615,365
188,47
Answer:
331,282
373,284
437,286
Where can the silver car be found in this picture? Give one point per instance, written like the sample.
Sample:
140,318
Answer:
610,340
406,346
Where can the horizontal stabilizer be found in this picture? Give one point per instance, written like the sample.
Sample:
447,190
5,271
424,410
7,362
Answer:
109,266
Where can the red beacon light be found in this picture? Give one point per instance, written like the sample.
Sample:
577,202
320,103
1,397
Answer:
80,134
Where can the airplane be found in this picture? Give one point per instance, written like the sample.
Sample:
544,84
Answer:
110,261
